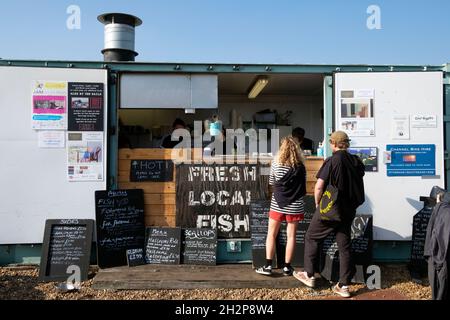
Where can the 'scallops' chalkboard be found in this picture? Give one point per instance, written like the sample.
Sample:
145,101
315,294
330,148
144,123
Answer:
151,171
199,246
163,245
362,242
259,223
298,258
120,225
67,243
418,265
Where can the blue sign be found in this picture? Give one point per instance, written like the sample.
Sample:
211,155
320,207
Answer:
412,160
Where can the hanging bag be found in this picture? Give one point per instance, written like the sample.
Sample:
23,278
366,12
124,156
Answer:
328,208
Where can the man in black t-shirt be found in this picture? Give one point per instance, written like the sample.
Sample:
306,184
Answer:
346,171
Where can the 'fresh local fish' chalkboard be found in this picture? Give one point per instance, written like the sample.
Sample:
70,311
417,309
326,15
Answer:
66,249
151,171
120,225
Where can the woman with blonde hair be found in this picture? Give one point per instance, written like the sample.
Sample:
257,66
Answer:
288,178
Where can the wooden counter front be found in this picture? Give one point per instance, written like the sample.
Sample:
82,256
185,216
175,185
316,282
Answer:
160,197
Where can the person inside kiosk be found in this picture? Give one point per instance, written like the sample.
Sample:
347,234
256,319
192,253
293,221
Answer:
167,142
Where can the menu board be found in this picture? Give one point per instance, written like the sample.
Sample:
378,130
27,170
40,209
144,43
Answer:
362,242
199,246
163,245
135,257
151,171
259,223
66,243
418,264
120,225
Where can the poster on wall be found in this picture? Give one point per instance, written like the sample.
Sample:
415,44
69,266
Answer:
424,121
356,112
369,156
85,106
51,139
49,105
218,196
411,160
400,127
85,156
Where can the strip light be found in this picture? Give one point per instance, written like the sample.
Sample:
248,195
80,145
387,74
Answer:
260,84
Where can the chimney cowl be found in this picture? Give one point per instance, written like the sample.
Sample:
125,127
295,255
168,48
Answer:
119,36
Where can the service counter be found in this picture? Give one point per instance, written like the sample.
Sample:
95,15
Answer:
161,196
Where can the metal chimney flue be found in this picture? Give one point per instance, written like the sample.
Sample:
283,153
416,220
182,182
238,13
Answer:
119,36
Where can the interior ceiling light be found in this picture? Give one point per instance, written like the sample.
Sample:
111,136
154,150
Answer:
259,85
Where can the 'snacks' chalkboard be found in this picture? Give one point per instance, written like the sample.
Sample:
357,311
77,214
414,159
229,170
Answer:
199,246
259,223
151,171
66,243
163,245
120,225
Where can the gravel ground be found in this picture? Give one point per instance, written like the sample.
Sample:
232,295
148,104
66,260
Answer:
20,283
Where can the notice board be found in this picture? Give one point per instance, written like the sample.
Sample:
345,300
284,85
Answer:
43,192
412,104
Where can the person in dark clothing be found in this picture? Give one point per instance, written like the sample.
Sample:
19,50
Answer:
436,249
346,171
305,143
167,142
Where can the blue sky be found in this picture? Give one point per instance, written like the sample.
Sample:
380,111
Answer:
245,31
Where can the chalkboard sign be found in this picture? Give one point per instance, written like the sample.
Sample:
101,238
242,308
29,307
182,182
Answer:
135,257
362,242
298,258
120,225
151,171
66,243
163,245
199,246
219,195
259,223
418,265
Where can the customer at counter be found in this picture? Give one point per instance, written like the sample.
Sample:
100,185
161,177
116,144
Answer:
305,143
288,178
167,142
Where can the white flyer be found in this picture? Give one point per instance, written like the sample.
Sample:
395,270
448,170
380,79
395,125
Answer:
51,139
356,113
49,105
424,121
85,156
400,127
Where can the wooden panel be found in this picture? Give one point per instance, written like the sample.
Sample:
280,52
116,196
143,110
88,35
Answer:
313,165
310,187
168,198
160,221
160,209
150,187
311,175
159,154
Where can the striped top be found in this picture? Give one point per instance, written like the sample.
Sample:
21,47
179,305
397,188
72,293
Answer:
277,172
